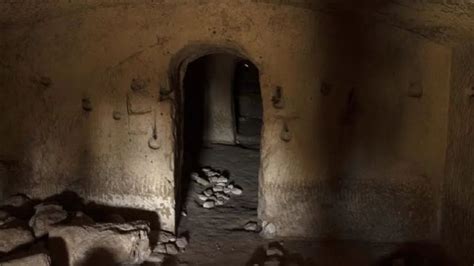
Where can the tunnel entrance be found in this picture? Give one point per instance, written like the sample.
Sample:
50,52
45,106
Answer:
221,123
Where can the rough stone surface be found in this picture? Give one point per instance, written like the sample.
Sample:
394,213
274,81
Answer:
251,226
171,248
13,235
117,243
181,242
160,248
165,237
16,200
33,260
45,216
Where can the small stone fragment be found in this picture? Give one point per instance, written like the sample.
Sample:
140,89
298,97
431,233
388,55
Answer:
222,196
171,249
156,257
14,236
219,202
16,200
208,204
251,226
181,242
196,178
230,186
160,248
236,191
226,190
45,216
165,237
40,259
268,230
208,192
218,189
274,251
202,197
184,213
272,262
222,179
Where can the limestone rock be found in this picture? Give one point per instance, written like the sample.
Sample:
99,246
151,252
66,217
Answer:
274,251
199,180
160,248
236,191
222,179
268,230
5,218
218,188
156,258
40,259
165,237
181,242
171,249
251,226
45,216
272,262
126,243
202,197
208,204
16,201
13,235
208,192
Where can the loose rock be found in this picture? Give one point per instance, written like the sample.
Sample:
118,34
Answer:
156,258
160,248
251,226
127,243
208,204
236,191
16,201
45,216
13,235
181,242
40,259
208,192
165,237
171,249
202,197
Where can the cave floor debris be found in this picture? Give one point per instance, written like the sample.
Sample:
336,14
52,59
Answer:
218,237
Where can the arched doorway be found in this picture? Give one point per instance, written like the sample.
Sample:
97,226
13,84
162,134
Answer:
218,122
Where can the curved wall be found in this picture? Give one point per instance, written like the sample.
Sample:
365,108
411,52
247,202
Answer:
350,139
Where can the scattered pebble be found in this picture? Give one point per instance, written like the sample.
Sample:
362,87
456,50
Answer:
251,226
274,251
202,197
160,248
208,204
171,249
236,191
165,237
218,186
208,192
181,242
156,258
218,189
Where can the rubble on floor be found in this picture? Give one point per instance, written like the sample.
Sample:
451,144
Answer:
70,234
218,189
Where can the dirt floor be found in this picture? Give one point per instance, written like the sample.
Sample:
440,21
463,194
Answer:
217,236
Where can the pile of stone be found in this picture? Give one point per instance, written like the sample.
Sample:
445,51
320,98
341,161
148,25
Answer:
42,232
218,189
168,244
274,254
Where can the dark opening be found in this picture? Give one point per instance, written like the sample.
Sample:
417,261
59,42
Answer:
222,120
